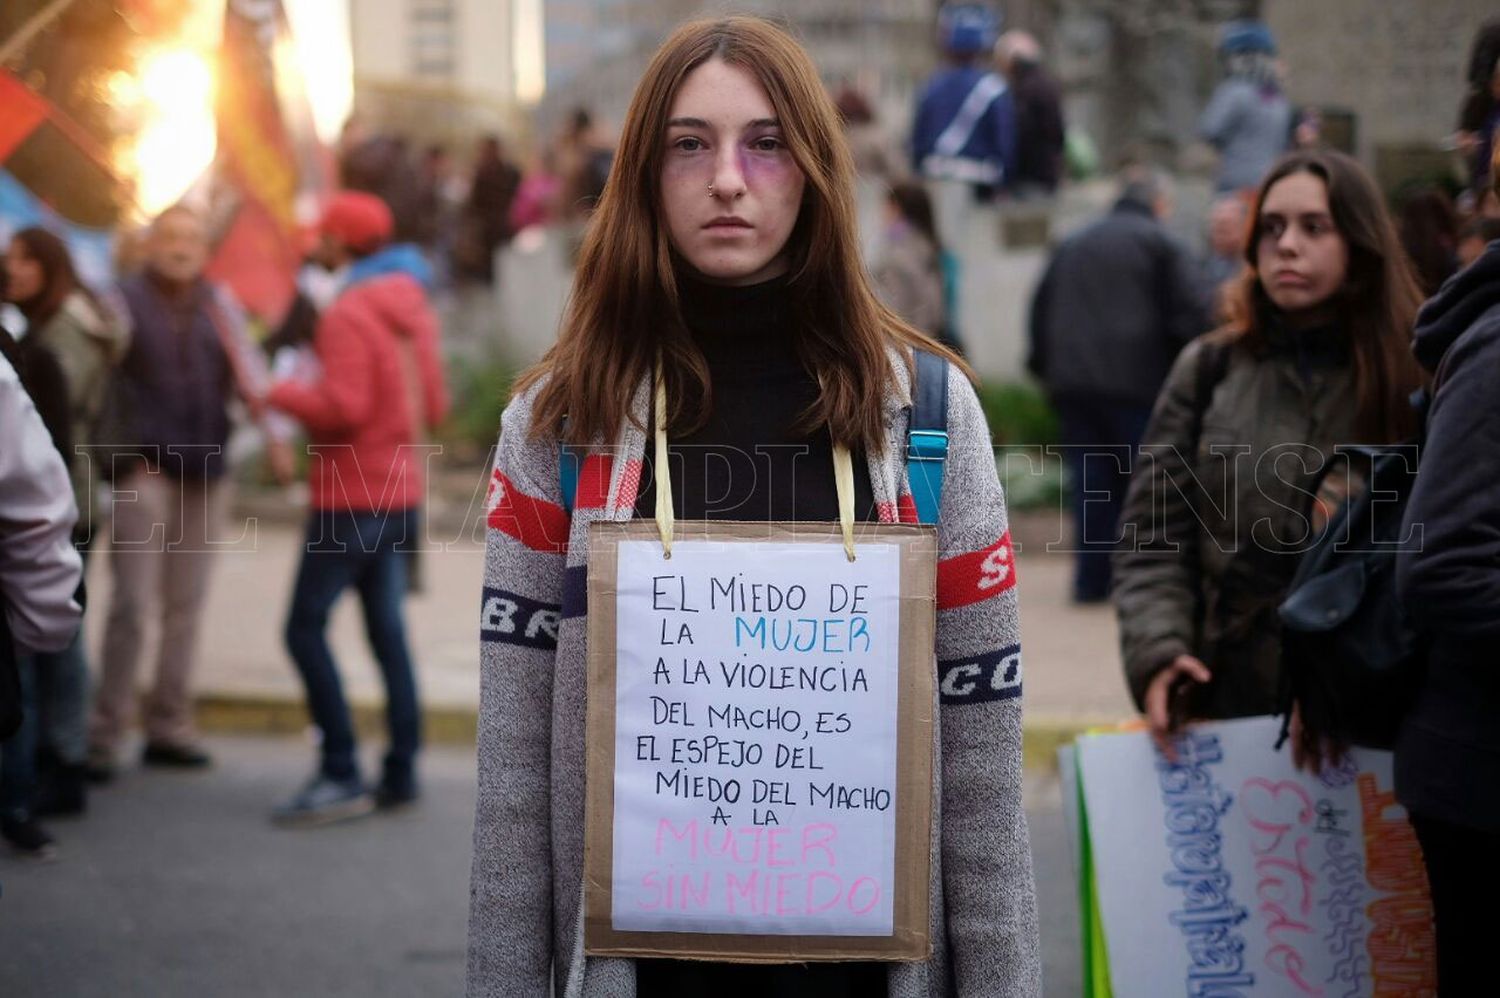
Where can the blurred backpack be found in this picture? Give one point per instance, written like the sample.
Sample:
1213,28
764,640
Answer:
1351,661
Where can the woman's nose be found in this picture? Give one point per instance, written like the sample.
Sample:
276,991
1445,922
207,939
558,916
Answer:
729,176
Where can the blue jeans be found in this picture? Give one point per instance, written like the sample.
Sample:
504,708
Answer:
366,551
1100,438
18,752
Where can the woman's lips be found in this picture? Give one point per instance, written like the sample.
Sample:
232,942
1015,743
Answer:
732,222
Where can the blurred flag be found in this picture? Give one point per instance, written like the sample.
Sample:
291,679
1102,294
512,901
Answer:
258,255
24,111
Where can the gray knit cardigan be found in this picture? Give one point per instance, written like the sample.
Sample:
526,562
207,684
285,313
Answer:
525,895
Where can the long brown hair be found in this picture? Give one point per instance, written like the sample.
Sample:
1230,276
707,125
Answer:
624,306
1377,303
59,279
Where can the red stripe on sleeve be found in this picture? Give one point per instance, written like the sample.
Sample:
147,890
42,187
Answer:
906,509
593,481
536,523
977,575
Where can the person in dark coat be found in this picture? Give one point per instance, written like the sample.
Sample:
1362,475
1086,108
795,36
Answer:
1115,305
1448,752
1040,129
486,222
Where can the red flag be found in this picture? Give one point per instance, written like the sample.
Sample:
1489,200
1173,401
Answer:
258,257
24,111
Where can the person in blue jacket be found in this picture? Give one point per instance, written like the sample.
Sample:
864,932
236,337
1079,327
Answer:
965,125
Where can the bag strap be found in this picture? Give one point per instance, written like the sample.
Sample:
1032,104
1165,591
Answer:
984,92
927,435
569,464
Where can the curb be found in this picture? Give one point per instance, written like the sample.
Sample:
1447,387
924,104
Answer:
260,714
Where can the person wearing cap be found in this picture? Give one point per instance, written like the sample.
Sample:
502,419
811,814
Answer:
964,128
380,389
1248,119
190,355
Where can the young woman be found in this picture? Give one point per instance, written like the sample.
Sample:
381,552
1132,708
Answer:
1218,511
725,245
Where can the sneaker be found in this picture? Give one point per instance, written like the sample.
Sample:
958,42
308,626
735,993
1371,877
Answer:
62,791
392,796
173,756
324,801
27,837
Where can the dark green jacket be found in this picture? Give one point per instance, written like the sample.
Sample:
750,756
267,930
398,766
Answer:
1217,511
88,343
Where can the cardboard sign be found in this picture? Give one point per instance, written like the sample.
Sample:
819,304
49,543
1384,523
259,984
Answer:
1229,874
760,742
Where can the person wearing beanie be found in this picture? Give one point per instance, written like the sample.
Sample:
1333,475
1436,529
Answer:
1248,119
965,130
380,390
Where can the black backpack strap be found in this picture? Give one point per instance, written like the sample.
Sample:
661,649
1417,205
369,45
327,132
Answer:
927,434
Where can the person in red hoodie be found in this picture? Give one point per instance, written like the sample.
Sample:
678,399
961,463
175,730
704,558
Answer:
381,386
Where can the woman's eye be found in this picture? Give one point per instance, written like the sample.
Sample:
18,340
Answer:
688,144
767,144
1272,229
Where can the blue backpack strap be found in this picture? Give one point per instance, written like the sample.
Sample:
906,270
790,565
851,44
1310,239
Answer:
569,463
927,435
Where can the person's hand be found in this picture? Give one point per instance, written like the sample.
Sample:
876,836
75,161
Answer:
1164,686
281,461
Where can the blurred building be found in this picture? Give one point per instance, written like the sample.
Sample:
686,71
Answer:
597,49
435,68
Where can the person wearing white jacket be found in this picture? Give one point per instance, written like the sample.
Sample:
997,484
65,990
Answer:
40,573
39,568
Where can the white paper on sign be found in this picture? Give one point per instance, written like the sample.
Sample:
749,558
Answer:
755,738
1229,873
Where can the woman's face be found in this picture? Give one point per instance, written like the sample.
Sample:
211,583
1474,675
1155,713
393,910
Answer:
24,277
730,188
1301,256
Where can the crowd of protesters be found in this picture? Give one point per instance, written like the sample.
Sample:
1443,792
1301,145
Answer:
1181,382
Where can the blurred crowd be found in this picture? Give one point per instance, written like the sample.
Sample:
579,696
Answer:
1308,284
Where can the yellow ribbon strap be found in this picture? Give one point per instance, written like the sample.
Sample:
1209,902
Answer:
843,478
665,517
843,481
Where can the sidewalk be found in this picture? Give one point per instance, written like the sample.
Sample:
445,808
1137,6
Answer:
247,684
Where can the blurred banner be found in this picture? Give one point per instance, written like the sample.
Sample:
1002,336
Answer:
1228,872
257,166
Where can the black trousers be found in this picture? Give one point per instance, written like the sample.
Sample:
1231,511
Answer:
1463,869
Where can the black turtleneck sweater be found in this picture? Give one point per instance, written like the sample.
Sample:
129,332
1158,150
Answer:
747,463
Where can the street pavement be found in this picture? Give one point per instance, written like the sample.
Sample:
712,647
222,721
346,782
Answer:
178,885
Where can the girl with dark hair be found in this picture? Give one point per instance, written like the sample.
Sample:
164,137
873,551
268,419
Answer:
69,332
721,274
1317,354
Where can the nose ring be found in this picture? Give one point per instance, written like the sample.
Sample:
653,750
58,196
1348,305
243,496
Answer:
710,190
